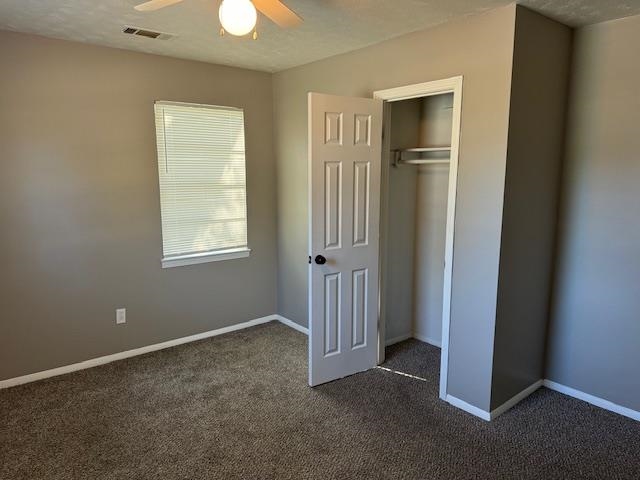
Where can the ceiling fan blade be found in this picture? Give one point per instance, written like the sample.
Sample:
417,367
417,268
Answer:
278,13
155,5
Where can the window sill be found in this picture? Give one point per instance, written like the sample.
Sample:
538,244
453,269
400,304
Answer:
205,257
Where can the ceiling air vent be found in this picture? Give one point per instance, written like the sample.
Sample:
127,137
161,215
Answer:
143,32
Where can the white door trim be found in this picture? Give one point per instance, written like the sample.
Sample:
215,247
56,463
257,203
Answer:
448,85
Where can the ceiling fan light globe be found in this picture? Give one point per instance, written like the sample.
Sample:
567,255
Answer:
238,17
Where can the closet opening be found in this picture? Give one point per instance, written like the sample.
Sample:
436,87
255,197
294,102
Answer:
420,153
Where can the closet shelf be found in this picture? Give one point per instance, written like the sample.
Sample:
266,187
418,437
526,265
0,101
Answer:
423,161
424,149
399,160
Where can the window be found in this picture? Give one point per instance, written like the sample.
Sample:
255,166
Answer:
201,166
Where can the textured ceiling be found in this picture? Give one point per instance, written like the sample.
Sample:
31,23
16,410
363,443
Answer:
330,27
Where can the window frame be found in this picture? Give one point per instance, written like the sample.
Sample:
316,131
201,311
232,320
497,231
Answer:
211,255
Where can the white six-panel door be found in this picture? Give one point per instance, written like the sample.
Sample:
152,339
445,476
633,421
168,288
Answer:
345,137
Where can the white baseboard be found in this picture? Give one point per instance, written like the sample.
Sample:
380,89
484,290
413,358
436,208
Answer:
94,362
516,399
429,340
467,407
407,336
292,324
398,339
572,392
488,416
593,400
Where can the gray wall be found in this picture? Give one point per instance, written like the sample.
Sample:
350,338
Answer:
404,126
542,56
431,225
594,340
80,214
480,48
431,220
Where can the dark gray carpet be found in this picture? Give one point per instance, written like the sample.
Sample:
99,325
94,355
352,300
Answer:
238,407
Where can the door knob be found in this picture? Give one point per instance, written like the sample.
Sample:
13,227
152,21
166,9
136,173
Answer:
320,260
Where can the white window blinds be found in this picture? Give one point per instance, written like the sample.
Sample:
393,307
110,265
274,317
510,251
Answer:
201,165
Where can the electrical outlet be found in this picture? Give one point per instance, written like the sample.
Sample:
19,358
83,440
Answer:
121,315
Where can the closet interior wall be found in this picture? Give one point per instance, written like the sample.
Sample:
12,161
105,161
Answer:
417,222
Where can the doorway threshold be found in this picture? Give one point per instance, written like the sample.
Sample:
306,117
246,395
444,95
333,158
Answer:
397,372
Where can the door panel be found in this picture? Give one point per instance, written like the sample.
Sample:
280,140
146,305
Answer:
333,204
344,174
361,180
332,313
359,303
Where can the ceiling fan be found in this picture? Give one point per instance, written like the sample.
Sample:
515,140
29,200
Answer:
238,17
